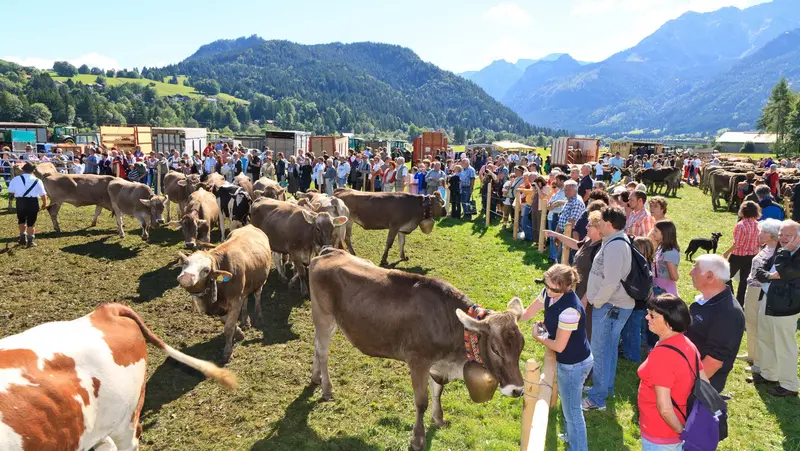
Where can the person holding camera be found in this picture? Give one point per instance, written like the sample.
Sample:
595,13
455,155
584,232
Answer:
564,332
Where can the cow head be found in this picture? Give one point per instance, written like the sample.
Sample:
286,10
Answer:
156,205
501,344
324,228
191,183
200,276
270,192
438,209
189,223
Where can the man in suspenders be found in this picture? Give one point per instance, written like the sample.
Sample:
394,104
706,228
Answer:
27,190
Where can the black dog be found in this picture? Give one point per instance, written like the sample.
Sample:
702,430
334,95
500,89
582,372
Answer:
702,243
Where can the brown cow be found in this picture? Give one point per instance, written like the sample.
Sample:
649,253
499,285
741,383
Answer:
178,187
334,206
137,200
265,187
221,279
295,231
412,318
399,212
80,384
214,180
245,182
201,215
79,190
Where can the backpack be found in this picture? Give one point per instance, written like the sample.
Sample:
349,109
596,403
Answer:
706,417
639,281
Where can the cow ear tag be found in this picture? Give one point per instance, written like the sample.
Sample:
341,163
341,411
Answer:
223,278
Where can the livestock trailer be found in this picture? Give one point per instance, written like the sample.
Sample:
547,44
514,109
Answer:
567,151
626,148
17,140
39,129
126,138
252,141
185,140
328,144
429,143
288,142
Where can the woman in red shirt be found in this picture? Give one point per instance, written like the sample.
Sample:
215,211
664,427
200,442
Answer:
745,246
665,376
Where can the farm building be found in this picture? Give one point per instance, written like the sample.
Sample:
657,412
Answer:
288,142
185,140
329,145
39,129
252,141
732,142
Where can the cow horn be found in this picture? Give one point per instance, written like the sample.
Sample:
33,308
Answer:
205,245
183,257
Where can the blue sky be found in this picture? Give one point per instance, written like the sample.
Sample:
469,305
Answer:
457,35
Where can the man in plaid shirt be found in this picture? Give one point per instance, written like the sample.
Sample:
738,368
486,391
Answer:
640,222
574,207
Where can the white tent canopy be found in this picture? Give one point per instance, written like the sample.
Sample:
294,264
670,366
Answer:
510,145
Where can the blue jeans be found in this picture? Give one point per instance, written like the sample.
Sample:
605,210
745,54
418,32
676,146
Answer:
633,335
650,446
570,390
527,223
606,331
465,196
551,225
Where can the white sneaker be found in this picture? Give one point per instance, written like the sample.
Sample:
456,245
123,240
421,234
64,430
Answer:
563,438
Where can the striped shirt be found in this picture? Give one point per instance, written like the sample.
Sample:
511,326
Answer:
639,224
745,237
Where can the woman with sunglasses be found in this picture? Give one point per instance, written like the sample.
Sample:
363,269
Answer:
665,375
564,332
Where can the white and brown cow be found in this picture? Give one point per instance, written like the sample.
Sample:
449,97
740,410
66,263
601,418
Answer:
137,200
201,215
221,279
178,187
78,385
296,232
415,319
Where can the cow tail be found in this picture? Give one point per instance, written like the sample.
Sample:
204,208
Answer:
220,375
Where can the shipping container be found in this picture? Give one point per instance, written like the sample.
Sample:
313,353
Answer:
288,142
428,144
126,138
185,140
17,140
328,144
568,151
39,129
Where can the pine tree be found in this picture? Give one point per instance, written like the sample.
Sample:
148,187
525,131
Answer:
775,115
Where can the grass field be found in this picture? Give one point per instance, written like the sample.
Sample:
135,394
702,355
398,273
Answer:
162,89
274,409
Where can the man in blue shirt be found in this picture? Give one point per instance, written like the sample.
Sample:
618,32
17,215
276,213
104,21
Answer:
468,177
769,208
617,161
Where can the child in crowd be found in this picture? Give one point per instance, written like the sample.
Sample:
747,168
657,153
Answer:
414,188
443,189
508,198
634,332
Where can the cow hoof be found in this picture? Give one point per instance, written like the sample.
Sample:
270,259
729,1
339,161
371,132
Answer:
316,380
238,335
226,357
384,263
404,258
417,443
327,398
441,423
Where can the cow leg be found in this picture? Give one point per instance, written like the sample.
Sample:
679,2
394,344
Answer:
97,210
436,400
221,220
10,202
401,240
105,445
167,206
259,320
232,330
419,380
348,237
53,210
324,327
145,229
118,217
389,243
125,437
244,318
280,265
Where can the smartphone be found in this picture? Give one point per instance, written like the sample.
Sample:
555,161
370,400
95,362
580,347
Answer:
541,330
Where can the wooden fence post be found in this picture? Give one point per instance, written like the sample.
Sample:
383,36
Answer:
531,392
158,180
537,435
488,203
564,249
116,169
516,217
542,222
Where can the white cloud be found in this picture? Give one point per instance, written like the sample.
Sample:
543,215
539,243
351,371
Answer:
507,14
92,59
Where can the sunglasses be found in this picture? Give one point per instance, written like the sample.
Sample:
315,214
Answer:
554,290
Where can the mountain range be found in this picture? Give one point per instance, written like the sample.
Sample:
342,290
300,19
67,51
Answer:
371,85
697,73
